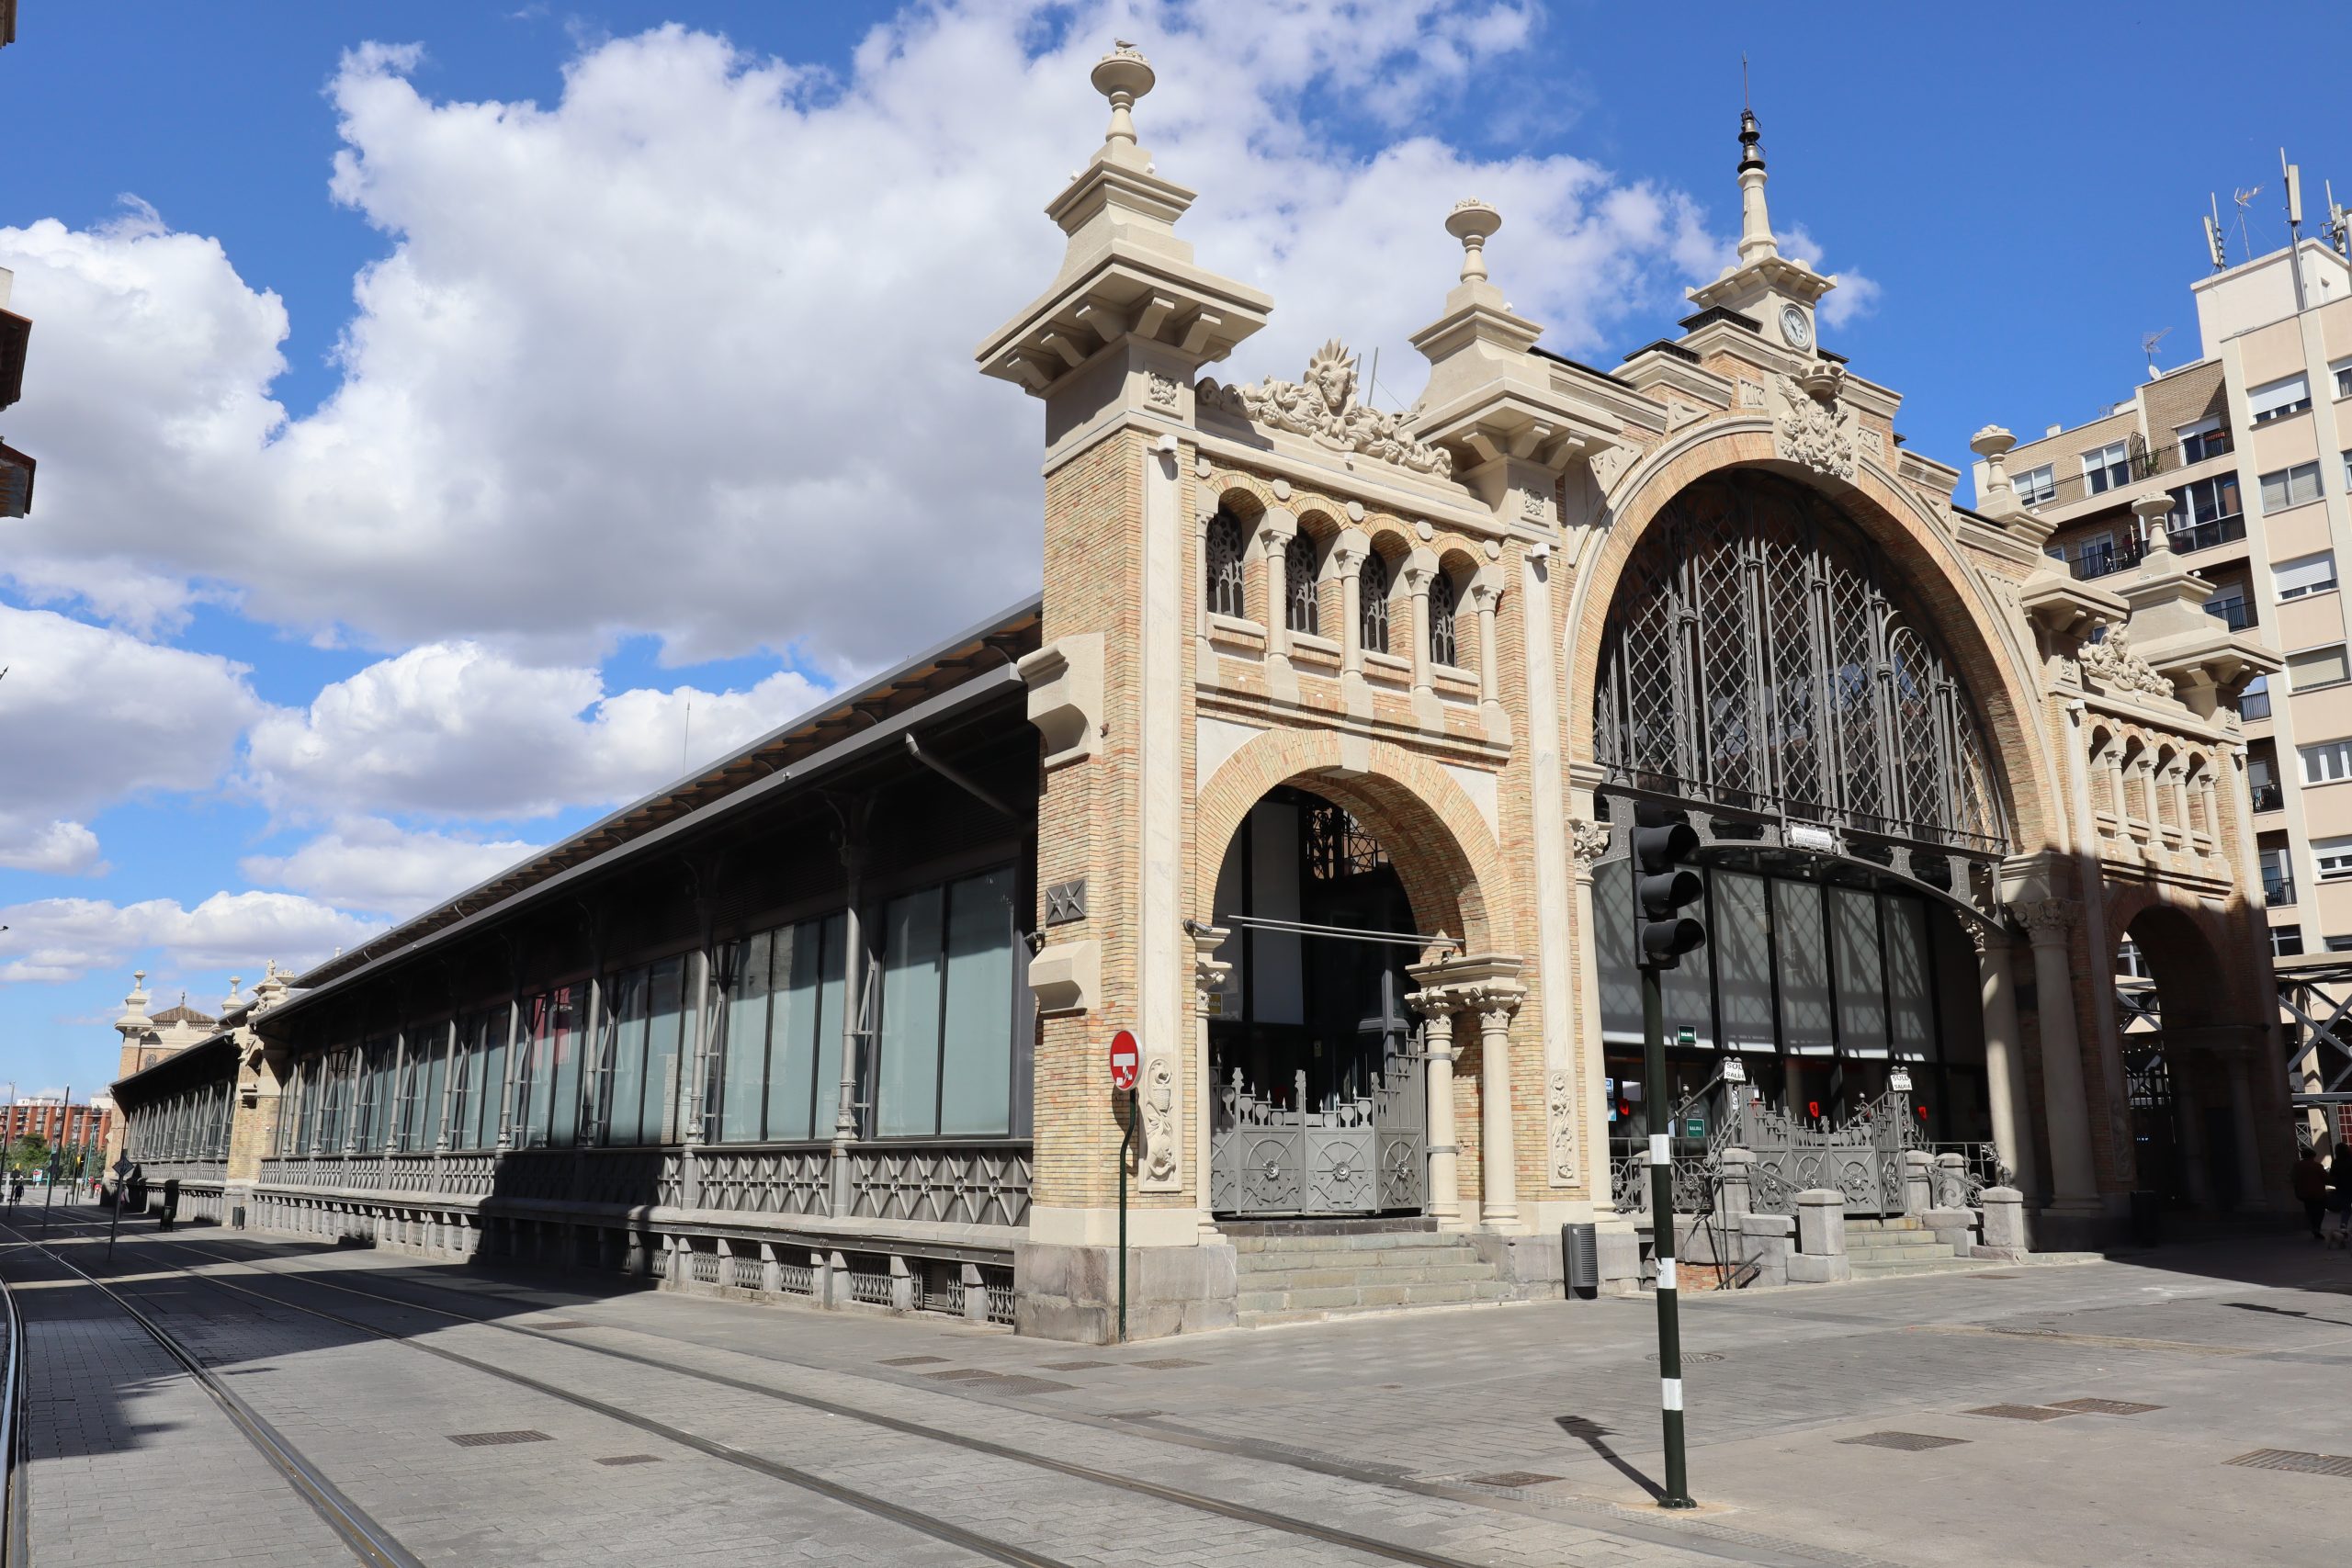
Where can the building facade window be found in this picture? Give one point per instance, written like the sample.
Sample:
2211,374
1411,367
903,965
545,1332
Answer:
2206,512
2339,944
2286,942
644,1037
1225,581
945,1035
2316,667
780,1071
2277,880
1443,649
2230,606
1373,594
2343,373
2036,485
2290,486
2109,467
2304,575
2327,761
2332,858
2277,400
477,1083
1303,612
2206,438
547,1075
2253,701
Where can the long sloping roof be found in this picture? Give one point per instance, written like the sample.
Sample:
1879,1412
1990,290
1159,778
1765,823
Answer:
999,640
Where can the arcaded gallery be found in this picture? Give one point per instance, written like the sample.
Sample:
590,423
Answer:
1310,766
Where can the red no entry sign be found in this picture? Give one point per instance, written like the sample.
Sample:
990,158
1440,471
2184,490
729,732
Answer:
1126,1062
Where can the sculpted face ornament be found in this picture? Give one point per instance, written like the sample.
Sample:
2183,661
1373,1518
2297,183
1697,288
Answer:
1323,407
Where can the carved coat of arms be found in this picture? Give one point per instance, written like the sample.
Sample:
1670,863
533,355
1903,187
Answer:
1817,432
1323,407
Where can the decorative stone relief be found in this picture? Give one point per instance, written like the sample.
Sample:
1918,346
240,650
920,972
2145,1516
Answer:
1678,413
1588,842
1536,505
1561,1108
1163,390
1751,393
1323,407
2112,664
1813,427
1160,1169
1608,466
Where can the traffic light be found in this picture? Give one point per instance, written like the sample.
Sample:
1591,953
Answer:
1664,884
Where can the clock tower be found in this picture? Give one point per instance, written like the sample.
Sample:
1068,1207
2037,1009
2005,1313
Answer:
1776,293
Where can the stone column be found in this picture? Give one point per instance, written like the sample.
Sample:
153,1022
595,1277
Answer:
1436,1008
2074,1175
2251,1192
1485,594
2004,1058
1498,1208
1346,557
1276,532
1420,567
1208,981
1588,842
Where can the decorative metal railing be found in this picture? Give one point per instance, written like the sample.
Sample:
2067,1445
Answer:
1355,1154
766,1180
953,1183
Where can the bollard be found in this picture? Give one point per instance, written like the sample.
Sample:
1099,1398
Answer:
1581,1259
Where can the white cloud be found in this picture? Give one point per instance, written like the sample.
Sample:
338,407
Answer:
1856,296
93,716
64,938
456,730
369,864
686,352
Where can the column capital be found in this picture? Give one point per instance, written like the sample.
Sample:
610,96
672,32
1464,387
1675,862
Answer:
1588,842
2045,920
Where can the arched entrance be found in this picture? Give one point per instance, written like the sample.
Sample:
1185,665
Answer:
1763,667
1317,1106
2193,1130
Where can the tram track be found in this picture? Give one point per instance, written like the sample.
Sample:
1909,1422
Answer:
367,1540
15,1494
998,1550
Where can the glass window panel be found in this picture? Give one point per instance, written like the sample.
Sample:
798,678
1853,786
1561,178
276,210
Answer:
493,1078
1862,995
531,1074
464,1068
794,1095
624,1065
976,1070
666,1031
832,992
567,1017
908,1090
1804,968
743,1078
436,1086
1613,943
1911,1023
1740,936
2317,667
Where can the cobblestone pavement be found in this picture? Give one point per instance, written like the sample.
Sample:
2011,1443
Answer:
1514,1435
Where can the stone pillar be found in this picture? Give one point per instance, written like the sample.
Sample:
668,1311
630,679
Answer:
1420,567
1820,1257
1347,556
2004,1057
1588,842
1918,1181
1275,531
1498,1206
1738,1199
1445,1180
2252,1194
1485,595
2074,1175
1208,983
2004,1221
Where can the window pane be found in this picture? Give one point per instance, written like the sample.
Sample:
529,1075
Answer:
1805,967
625,1063
463,1069
1911,1024
1743,959
436,1078
665,1030
976,1076
567,1016
1862,996
832,992
2316,667
743,1081
908,1092
797,1101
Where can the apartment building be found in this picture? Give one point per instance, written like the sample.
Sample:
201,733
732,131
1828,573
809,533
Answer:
2252,443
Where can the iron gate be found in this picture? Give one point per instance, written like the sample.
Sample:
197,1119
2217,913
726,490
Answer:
1351,1155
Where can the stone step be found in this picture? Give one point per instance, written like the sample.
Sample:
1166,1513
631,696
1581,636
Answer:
1892,1238
1262,1306
1877,1270
1349,1257
1898,1222
1858,1256
1320,1278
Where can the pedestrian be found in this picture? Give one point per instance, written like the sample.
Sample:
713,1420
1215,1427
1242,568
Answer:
2339,1180
2310,1190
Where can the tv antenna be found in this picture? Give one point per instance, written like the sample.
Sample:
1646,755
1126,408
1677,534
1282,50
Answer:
2213,233
2338,230
2243,198
2148,342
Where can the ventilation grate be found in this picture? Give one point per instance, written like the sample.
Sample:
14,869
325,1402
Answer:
1075,1365
1510,1480
631,1459
2103,1407
2290,1459
911,1361
1168,1363
493,1440
1906,1441
1690,1358
2021,1412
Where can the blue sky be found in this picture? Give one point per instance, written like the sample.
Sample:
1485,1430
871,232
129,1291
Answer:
423,430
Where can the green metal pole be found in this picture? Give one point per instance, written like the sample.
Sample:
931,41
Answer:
1670,1329
1125,1139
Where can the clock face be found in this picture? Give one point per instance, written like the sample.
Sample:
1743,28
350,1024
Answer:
1794,329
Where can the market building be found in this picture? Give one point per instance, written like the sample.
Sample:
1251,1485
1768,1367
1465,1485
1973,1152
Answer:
1310,766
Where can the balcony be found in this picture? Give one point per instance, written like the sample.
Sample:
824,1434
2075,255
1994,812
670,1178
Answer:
2277,891
2235,614
2267,797
2067,489
2210,534
2254,703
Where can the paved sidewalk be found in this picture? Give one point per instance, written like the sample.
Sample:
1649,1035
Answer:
1498,1435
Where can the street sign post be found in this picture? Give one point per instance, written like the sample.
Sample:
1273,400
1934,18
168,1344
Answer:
1126,1067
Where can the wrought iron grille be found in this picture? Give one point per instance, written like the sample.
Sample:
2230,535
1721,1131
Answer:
1338,846
1225,566
1756,659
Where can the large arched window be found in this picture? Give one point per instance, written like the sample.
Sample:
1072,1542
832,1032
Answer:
1373,597
1758,658
1224,586
1303,612
1442,646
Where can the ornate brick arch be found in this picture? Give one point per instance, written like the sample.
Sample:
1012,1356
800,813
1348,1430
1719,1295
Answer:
1443,852
2182,942
1992,662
